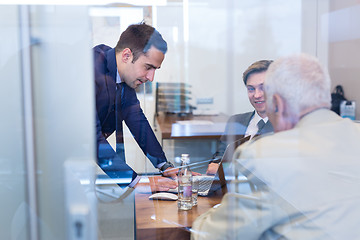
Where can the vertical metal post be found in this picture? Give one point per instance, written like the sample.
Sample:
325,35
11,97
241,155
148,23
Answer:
28,120
230,59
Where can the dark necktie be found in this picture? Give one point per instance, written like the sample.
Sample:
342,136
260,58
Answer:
118,119
119,168
260,125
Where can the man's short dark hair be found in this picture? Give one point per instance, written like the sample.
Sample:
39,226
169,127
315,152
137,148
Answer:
256,67
139,38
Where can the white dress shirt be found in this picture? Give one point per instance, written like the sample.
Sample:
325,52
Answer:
252,129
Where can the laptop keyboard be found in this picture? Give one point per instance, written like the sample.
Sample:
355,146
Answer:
205,183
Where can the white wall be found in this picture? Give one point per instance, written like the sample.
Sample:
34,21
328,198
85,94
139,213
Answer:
216,55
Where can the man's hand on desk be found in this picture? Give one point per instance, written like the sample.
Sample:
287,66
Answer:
173,172
158,183
170,172
212,169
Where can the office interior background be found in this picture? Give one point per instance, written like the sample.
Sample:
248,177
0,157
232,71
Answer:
47,101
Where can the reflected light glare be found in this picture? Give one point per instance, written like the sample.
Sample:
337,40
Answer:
175,34
186,20
84,2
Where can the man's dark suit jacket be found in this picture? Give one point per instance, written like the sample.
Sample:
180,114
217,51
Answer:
235,129
110,161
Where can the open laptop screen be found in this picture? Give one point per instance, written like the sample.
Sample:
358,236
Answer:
223,175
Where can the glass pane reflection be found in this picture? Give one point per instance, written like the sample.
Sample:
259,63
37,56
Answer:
210,45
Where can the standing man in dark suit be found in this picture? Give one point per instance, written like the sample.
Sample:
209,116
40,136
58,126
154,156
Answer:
118,71
250,123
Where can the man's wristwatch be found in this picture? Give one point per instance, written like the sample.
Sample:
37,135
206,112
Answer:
165,166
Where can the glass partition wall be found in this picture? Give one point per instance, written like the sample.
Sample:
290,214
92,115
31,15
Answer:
13,177
48,148
48,175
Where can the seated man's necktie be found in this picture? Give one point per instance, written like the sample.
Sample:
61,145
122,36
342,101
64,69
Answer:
260,125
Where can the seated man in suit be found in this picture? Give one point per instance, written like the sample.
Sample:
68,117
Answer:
250,123
118,71
305,175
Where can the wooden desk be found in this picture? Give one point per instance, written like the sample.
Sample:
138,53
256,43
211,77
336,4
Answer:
158,219
173,126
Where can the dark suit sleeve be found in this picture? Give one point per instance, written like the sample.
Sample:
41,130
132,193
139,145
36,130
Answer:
140,128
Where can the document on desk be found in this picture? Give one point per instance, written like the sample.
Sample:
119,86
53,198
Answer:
193,128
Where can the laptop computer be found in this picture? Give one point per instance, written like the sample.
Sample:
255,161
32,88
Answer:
209,184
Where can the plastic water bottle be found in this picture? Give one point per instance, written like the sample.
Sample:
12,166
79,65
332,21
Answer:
185,184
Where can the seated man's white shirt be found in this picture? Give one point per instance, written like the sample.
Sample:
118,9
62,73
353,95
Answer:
252,128
307,185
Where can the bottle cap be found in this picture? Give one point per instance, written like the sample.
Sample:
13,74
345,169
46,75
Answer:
185,158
